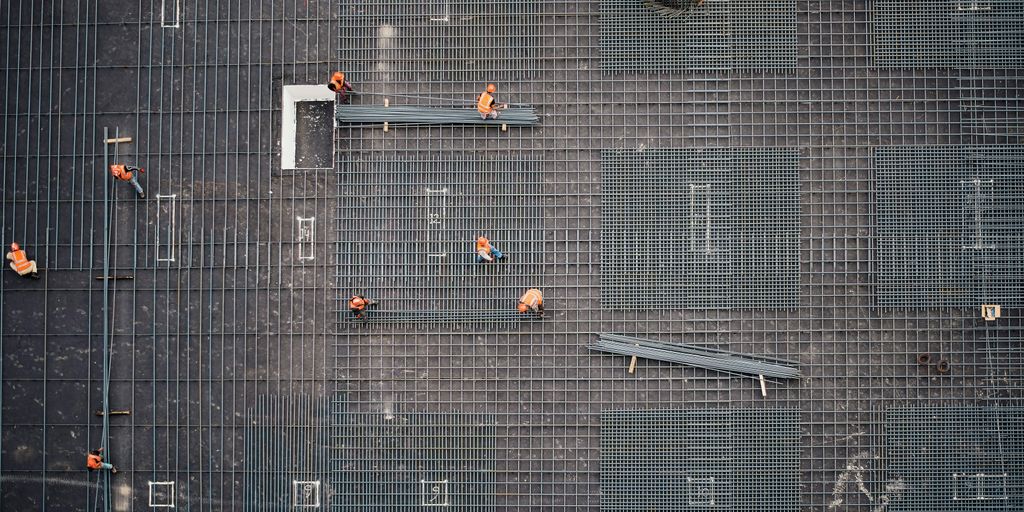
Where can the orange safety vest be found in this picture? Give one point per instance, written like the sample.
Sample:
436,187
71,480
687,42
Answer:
485,246
94,462
21,262
484,103
120,172
357,302
532,298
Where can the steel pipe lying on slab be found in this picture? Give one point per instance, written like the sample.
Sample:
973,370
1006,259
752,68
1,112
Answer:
413,114
711,359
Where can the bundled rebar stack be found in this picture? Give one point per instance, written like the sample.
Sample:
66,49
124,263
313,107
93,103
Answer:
711,359
425,316
413,114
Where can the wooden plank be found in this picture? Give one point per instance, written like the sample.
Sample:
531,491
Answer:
632,365
118,140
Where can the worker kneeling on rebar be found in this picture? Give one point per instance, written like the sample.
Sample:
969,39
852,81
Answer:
94,461
342,87
358,304
487,253
533,301
20,262
127,173
487,105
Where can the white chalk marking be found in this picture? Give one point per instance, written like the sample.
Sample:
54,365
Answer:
166,227
161,494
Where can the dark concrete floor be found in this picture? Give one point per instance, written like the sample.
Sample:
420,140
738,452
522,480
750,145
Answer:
221,310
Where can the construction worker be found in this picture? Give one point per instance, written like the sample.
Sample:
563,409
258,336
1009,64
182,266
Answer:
94,461
20,263
532,300
358,304
127,173
341,86
487,253
486,104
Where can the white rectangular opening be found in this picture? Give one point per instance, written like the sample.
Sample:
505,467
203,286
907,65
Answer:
161,494
166,227
306,493
307,227
170,13
434,493
290,95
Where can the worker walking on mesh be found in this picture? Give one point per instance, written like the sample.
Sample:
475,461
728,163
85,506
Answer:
94,462
20,262
127,173
533,301
487,105
358,304
487,253
341,86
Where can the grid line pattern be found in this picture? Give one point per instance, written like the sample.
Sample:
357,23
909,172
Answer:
955,458
413,461
443,40
717,35
949,33
700,228
726,459
407,229
949,225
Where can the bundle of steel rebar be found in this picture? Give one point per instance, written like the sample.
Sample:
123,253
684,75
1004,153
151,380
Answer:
426,316
413,114
677,9
711,359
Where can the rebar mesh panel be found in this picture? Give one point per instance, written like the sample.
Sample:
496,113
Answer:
406,233
415,461
700,228
442,40
955,458
950,225
731,34
949,33
286,443
991,106
729,459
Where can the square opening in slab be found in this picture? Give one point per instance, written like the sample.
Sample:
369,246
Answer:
161,494
307,127
306,493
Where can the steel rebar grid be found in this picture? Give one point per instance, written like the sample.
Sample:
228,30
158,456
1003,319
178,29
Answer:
834,105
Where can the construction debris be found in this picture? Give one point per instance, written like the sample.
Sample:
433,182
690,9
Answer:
711,359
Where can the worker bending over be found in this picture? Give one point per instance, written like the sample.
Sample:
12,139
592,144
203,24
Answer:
487,253
533,301
341,86
20,262
127,173
487,105
95,461
358,304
